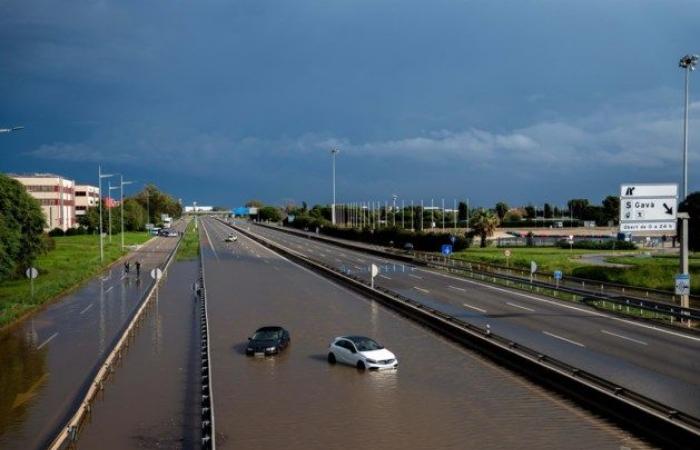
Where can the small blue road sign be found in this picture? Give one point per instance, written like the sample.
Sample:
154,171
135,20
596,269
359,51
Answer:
557,274
446,249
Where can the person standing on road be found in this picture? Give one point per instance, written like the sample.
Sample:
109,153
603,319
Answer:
138,268
126,267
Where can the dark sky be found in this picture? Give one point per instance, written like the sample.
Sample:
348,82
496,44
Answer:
223,101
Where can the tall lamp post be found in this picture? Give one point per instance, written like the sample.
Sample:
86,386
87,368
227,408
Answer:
100,176
688,62
110,188
334,152
122,183
393,210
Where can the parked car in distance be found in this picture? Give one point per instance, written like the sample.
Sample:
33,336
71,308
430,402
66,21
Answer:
231,238
268,341
172,233
361,352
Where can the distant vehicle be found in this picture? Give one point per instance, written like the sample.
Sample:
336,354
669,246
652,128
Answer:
172,233
361,352
231,238
268,341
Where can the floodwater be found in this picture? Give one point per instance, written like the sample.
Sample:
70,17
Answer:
441,397
152,400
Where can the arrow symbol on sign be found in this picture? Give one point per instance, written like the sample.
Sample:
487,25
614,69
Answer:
669,211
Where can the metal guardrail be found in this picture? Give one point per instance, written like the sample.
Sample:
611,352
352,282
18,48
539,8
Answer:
69,432
207,399
611,397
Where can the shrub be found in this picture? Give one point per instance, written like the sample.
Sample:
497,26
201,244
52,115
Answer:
599,245
75,231
56,232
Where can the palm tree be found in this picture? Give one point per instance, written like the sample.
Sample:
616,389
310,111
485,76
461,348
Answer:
484,223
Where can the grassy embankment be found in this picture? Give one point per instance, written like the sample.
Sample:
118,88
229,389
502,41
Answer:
189,246
656,272
74,260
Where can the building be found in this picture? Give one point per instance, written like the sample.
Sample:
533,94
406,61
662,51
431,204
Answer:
56,196
86,196
197,208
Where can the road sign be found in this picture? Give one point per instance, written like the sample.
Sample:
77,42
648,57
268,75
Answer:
446,249
648,207
32,273
682,284
557,274
507,253
533,267
374,271
156,274
453,239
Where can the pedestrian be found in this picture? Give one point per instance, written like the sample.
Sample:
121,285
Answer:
126,267
138,269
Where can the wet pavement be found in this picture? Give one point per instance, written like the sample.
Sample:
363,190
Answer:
47,360
442,396
152,400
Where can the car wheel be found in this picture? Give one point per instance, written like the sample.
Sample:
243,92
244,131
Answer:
331,358
360,365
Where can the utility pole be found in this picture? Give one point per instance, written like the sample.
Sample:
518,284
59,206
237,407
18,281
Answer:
688,62
121,185
100,176
333,153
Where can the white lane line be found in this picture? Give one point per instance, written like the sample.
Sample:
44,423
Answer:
624,337
563,339
515,305
358,267
421,289
322,255
483,311
86,308
456,288
123,276
110,288
337,260
361,260
209,240
561,305
47,341
415,276
384,276
343,255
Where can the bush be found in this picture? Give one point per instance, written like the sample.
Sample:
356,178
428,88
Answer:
56,232
598,245
75,231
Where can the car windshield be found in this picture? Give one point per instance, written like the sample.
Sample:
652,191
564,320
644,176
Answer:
366,344
265,335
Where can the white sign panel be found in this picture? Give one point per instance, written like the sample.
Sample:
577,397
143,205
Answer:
648,207
682,284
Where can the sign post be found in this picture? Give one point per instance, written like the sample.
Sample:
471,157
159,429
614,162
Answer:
685,296
32,273
533,269
571,243
507,254
558,276
374,271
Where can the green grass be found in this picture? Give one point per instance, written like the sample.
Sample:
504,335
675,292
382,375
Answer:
655,272
74,260
189,246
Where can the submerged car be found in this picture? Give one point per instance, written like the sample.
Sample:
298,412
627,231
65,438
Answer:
231,238
268,341
361,352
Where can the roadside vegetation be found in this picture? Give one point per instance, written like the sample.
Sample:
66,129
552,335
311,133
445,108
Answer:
73,260
189,246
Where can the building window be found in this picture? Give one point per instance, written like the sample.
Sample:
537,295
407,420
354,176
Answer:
80,193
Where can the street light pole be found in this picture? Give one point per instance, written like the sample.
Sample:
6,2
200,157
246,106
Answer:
333,153
110,188
121,185
100,176
688,62
393,211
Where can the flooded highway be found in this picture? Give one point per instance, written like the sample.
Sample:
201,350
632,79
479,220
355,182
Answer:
441,396
46,360
152,400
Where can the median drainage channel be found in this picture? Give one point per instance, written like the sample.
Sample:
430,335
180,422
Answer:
68,435
645,416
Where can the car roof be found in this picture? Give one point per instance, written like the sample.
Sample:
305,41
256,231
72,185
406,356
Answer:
353,339
270,328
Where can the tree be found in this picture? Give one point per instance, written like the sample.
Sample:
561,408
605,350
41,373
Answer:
557,212
501,209
691,205
484,223
577,206
611,208
530,212
269,213
156,203
548,211
21,228
462,212
254,204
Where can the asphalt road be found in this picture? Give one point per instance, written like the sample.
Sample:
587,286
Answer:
660,363
441,396
47,359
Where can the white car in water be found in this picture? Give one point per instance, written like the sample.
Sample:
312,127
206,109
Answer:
361,352
231,238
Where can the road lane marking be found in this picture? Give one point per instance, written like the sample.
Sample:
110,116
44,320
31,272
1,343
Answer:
515,305
384,276
415,276
358,267
209,240
123,276
110,288
47,341
322,254
456,288
343,255
624,337
337,260
561,305
86,308
361,260
563,339
421,289
483,311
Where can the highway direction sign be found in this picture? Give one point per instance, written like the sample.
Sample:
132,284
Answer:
648,207
682,284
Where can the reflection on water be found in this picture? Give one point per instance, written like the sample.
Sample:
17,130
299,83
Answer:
23,370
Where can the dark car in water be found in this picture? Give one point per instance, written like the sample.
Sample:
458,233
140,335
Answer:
267,341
